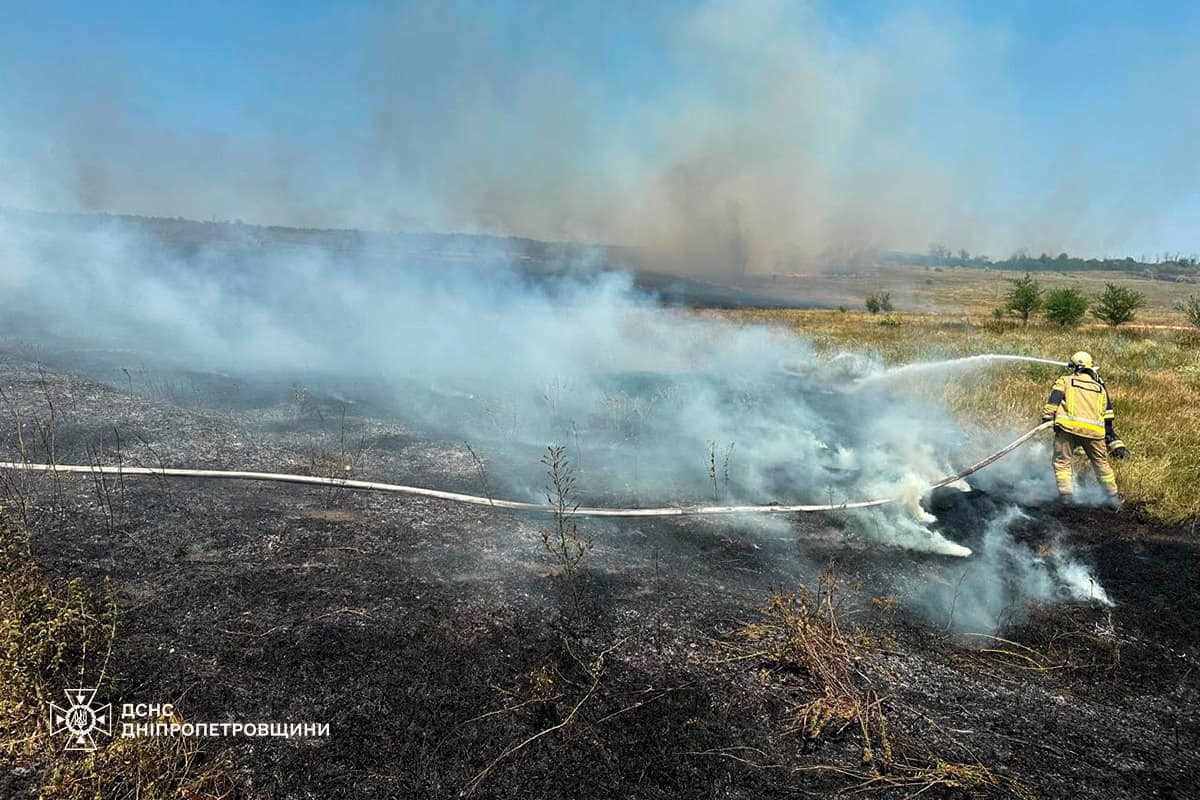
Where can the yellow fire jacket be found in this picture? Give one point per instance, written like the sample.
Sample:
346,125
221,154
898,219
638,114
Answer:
1079,404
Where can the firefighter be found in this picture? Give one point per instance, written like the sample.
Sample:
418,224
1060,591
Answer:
1082,413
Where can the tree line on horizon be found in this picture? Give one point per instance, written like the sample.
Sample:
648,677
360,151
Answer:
1167,264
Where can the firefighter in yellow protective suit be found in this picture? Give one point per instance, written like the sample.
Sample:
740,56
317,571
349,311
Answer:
1083,418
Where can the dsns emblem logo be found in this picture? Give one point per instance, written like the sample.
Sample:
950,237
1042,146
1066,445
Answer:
80,719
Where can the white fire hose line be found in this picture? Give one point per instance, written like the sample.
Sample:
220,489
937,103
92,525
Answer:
372,486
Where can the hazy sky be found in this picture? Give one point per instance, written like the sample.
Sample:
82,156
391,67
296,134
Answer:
808,128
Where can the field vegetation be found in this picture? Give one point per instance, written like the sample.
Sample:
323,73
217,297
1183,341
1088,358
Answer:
973,291
56,633
1065,306
1152,370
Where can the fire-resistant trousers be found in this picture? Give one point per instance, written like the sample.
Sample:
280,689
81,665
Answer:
1097,453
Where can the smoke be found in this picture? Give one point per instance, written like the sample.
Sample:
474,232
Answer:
1004,576
778,143
655,406
665,406
720,138
757,136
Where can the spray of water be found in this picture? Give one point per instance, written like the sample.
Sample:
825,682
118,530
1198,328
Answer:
924,367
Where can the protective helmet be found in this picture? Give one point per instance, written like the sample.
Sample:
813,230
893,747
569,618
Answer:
1082,360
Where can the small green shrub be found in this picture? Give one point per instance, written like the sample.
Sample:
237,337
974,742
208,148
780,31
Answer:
1117,305
1065,306
879,301
1025,297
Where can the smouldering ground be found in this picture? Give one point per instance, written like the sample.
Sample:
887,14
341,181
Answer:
435,638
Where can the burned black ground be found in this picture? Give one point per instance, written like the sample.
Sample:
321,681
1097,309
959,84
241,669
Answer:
433,637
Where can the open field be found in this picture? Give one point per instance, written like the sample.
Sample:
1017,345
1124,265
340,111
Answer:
467,650
973,292
1152,372
449,654
432,400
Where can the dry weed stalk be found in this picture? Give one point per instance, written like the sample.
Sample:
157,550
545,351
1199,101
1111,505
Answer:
594,670
801,633
827,670
564,542
338,462
712,469
20,488
482,470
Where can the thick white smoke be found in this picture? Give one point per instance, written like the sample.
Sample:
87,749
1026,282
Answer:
1003,576
480,352
656,405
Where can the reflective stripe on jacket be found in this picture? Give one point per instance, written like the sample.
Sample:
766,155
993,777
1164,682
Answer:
1079,404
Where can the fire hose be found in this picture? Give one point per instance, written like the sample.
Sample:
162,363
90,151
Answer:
456,497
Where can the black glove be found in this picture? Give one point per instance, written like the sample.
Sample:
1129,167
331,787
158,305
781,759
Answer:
1117,449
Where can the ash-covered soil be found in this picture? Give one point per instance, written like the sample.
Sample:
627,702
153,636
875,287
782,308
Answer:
434,638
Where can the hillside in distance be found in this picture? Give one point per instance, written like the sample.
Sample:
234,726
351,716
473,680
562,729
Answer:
234,247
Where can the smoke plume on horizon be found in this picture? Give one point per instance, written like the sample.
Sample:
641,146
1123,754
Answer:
741,136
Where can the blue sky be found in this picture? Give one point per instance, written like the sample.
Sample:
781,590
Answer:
170,104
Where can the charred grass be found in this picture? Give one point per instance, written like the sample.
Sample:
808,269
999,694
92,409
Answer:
1070,643
495,685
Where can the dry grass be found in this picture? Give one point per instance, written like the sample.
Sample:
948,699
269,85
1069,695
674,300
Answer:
52,634
830,679
800,634
961,290
59,634
154,768
1070,642
1153,374
951,779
